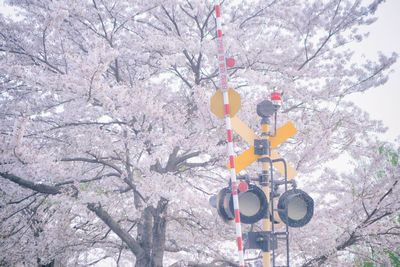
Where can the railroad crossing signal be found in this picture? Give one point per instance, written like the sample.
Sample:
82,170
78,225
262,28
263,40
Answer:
295,208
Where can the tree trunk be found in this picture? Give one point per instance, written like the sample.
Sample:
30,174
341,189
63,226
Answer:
151,235
149,245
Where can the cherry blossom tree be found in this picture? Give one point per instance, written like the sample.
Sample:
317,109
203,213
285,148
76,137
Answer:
361,209
109,151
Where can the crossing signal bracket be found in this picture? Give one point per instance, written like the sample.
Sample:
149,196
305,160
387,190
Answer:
265,241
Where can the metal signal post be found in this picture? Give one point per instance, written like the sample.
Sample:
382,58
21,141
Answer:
262,147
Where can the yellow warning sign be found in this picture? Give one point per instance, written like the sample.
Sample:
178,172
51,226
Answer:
246,158
218,107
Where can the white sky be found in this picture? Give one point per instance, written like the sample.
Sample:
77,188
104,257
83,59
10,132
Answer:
383,103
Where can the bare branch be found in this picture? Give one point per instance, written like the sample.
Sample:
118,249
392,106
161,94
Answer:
99,161
117,229
41,188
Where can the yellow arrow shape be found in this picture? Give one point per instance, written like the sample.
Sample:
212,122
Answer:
246,158
282,134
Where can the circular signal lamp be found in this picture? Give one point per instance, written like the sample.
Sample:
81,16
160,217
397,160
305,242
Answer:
223,198
253,205
295,208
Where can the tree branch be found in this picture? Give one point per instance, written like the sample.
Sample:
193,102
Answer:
117,229
41,188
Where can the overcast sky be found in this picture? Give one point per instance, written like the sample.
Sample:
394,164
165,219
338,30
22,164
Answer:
383,103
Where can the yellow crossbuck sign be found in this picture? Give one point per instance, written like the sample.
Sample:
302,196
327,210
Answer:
246,158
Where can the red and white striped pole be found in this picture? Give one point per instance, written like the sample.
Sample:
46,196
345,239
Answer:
223,76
